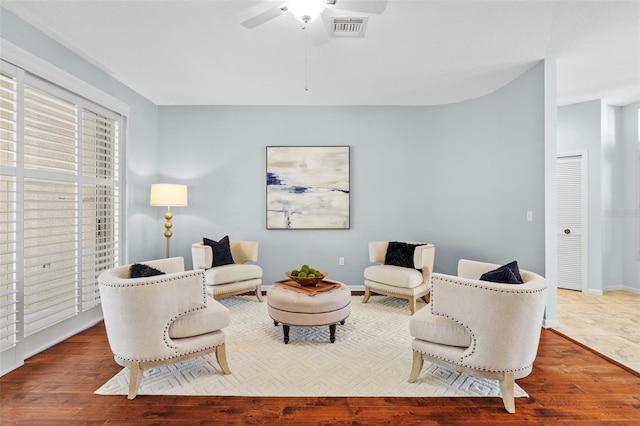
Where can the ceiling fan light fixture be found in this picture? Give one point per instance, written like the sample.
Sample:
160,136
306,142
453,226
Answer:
306,10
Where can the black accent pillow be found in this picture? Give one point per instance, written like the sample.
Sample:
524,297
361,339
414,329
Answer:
139,270
400,254
221,251
506,274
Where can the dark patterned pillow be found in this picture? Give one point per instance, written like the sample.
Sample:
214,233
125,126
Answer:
400,254
221,251
138,270
506,274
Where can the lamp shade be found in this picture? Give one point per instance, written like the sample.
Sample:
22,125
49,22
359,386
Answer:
166,194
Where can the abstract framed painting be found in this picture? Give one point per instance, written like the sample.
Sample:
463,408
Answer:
308,187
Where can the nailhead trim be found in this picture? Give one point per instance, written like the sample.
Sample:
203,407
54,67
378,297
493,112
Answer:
171,357
165,336
124,282
392,292
472,367
511,289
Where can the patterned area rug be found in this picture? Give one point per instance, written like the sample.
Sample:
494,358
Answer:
371,357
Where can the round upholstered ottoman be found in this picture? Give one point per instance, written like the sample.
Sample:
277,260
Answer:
293,306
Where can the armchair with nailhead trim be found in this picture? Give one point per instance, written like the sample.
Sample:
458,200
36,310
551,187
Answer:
161,319
411,283
240,277
481,328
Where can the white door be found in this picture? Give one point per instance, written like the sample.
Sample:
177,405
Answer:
571,181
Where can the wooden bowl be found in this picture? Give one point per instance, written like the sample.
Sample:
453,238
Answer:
306,282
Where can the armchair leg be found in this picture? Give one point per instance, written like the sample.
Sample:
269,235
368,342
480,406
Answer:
412,305
367,295
221,356
417,366
135,378
506,391
259,293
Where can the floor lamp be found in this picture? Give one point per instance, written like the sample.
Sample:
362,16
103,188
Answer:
166,194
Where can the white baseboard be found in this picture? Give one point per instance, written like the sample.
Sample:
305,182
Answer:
550,323
594,292
621,287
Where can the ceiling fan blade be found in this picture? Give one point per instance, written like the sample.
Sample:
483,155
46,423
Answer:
318,32
265,16
377,6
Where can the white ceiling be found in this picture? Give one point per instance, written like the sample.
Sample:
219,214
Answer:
181,52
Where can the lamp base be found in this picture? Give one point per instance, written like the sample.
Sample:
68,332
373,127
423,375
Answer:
167,233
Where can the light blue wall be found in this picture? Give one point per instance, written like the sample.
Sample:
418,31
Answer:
579,131
612,187
142,131
610,136
461,176
629,215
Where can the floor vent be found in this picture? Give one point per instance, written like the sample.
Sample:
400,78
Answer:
348,27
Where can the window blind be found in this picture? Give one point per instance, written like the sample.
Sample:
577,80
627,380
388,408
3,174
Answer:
8,209
100,201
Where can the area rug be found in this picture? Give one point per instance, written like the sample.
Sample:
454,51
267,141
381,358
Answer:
371,357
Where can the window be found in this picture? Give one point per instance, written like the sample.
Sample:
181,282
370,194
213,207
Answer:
61,192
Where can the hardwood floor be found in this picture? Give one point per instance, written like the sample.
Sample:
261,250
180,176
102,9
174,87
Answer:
569,385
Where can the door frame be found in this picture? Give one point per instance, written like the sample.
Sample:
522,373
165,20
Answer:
584,213
638,195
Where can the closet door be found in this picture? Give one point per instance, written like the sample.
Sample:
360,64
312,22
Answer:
571,222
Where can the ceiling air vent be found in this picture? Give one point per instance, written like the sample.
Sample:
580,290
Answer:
348,27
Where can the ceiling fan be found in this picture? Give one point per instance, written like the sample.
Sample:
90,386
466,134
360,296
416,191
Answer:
308,12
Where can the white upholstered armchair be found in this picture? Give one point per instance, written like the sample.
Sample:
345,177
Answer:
409,283
233,279
161,319
482,328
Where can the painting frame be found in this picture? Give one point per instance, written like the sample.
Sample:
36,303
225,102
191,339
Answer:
308,187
